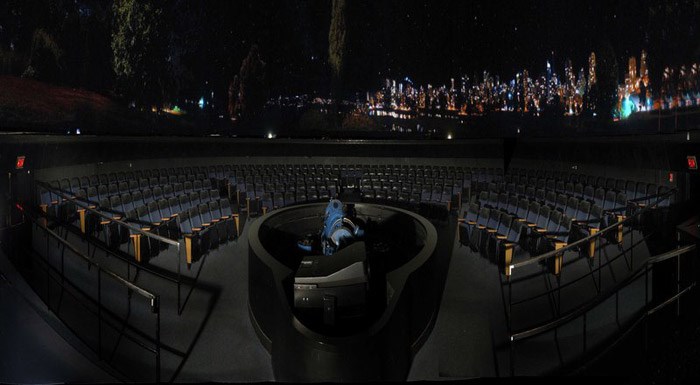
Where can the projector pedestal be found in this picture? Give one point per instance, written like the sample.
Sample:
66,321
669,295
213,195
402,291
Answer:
336,284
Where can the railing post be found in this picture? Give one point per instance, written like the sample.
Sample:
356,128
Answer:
179,277
678,275
99,313
155,307
510,327
632,247
584,332
646,286
600,270
48,270
617,308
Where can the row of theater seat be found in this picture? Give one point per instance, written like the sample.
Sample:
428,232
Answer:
263,188
203,225
259,188
151,202
502,225
589,187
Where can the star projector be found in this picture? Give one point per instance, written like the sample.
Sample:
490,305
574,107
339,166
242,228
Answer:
341,227
333,280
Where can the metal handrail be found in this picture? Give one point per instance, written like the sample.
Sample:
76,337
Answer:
587,239
141,291
596,301
154,299
78,202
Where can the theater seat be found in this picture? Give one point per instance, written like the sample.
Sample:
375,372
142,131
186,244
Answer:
506,247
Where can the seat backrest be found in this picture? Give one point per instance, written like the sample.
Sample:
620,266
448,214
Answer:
123,187
174,205
621,199
540,194
215,210
127,203
142,212
184,202
596,214
164,208
562,202
641,190
113,189
132,215
554,220
516,229
92,193
504,224
147,195
502,201
153,211
195,219
115,202
572,206
472,213
512,204
494,219
564,229
610,199
157,192
522,208
543,216
484,214
204,213
194,198
583,211
183,221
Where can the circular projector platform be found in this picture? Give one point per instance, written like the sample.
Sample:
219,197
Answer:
339,339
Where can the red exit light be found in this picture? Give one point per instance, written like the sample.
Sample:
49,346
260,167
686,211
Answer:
20,162
692,162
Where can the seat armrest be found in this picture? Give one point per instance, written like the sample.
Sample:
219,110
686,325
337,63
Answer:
616,209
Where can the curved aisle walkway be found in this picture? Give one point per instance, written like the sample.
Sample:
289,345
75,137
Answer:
460,345
31,351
